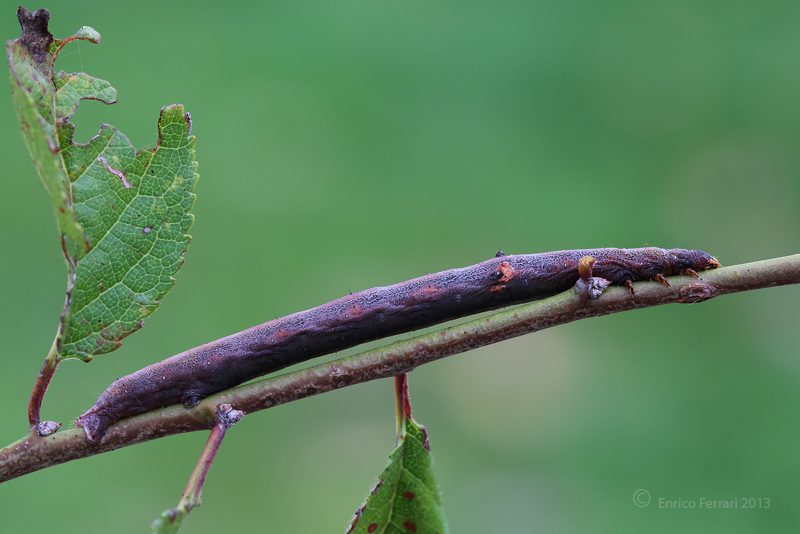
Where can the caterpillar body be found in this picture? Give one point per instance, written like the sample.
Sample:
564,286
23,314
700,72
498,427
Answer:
372,314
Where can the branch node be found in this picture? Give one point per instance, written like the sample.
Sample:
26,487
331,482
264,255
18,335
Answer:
227,415
45,428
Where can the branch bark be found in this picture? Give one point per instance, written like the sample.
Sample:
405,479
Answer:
36,452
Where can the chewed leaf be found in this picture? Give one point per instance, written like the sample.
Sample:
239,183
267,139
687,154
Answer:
406,497
123,215
87,33
77,86
30,61
135,209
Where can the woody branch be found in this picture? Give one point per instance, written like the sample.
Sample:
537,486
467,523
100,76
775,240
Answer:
36,452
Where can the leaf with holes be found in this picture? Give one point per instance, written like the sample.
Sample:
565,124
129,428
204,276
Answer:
123,215
30,62
406,497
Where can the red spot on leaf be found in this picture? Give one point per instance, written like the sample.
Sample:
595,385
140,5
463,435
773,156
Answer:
409,495
411,527
372,527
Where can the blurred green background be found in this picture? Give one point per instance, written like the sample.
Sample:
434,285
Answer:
349,144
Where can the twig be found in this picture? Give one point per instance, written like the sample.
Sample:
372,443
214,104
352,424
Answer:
171,520
36,452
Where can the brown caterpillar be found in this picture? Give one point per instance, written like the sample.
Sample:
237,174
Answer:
373,314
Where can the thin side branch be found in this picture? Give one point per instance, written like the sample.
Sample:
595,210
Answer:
171,520
36,452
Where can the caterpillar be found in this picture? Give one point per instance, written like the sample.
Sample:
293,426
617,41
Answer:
373,314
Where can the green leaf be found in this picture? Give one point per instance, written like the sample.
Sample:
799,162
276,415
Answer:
30,62
406,497
123,215
135,209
